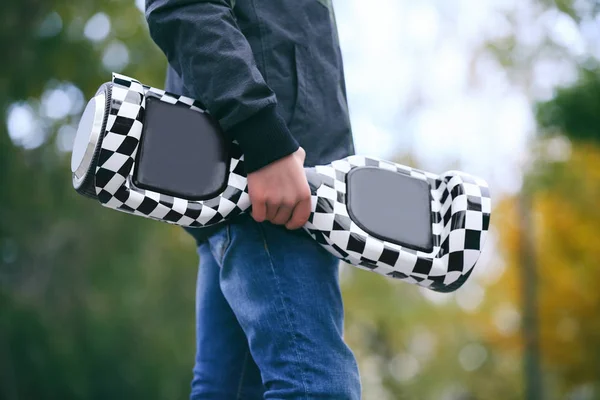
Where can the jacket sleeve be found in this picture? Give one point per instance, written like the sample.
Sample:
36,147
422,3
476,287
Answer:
204,45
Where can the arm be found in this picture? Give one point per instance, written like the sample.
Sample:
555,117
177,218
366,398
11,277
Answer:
206,48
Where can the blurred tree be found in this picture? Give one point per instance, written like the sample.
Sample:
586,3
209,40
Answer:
93,304
565,186
568,249
574,110
521,58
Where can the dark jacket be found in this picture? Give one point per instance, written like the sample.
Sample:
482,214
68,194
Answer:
270,71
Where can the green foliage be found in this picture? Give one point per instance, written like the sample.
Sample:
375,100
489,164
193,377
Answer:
573,111
93,304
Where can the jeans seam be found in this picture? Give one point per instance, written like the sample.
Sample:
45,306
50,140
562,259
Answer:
226,244
285,313
241,384
218,252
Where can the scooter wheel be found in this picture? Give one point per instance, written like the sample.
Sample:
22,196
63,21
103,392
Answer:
88,140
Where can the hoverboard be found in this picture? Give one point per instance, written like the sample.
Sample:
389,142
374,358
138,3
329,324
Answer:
159,155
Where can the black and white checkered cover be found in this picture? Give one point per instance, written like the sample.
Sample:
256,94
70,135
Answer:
460,203
114,172
460,206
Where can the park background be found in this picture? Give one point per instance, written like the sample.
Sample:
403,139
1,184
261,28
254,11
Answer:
96,304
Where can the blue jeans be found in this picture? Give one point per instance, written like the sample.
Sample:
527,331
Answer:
269,318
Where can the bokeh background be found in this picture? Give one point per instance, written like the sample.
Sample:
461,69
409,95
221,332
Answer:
96,304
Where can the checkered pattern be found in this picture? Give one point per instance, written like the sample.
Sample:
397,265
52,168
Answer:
114,172
460,206
460,203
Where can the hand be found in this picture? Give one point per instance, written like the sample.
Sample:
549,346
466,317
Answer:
279,192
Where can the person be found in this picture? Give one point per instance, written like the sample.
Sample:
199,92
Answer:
269,312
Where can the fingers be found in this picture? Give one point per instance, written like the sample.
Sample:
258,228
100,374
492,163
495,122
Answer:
272,208
293,216
279,192
300,215
266,209
284,212
259,208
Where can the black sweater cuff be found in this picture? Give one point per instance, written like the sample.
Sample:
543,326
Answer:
263,138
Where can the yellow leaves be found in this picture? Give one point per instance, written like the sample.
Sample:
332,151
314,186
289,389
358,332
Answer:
566,221
505,220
